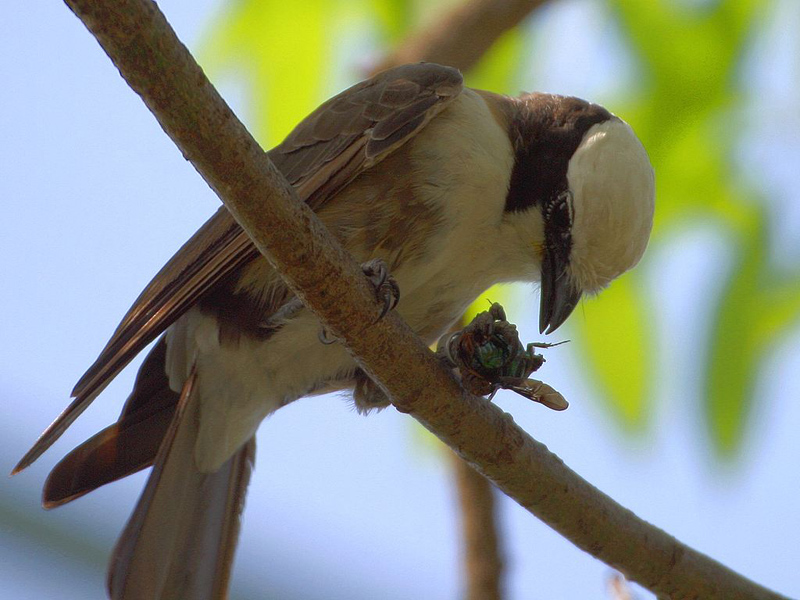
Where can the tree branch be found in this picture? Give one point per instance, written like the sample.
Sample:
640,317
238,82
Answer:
461,36
158,67
483,563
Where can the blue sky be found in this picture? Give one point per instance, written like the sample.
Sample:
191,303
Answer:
96,198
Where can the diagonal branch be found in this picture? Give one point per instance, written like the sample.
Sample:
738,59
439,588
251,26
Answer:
158,67
461,36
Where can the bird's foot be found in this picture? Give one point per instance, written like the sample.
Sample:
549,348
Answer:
386,288
386,291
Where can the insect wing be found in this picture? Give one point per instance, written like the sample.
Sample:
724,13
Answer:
540,392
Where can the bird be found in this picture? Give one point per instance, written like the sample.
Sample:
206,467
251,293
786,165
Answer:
440,190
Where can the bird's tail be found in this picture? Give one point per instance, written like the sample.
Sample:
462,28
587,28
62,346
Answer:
180,540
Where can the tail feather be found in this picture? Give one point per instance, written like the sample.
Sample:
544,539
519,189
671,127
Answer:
127,446
151,388
180,540
115,452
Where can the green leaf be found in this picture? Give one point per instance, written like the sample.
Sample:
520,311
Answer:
613,333
756,312
284,49
735,353
780,310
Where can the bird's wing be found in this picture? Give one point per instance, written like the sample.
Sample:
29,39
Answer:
361,126
347,134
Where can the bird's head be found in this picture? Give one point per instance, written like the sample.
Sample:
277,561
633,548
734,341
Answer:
590,181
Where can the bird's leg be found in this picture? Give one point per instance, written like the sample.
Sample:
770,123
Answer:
386,290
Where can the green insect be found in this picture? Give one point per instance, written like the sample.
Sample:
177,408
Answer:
490,357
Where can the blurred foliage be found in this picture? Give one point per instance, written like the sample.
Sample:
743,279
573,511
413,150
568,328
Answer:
691,59
294,55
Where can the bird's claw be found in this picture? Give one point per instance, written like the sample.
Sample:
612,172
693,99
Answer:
386,288
324,338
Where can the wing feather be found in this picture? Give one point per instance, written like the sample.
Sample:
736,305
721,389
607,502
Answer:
347,134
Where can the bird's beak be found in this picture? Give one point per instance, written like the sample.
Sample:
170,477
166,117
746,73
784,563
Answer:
559,296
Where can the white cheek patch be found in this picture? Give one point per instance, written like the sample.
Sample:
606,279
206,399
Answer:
614,200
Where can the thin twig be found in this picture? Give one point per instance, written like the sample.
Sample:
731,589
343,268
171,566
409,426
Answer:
462,35
483,563
158,67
